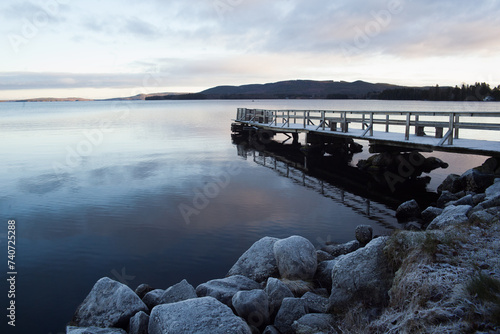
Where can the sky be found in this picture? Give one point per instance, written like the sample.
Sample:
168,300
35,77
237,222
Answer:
101,49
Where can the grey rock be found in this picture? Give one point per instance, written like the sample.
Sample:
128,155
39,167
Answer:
481,218
298,287
204,315
490,165
473,180
495,211
478,198
270,330
315,324
258,262
491,202
315,303
466,200
139,323
178,292
323,256
445,197
493,190
408,211
451,183
342,249
224,289
296,258
430,213
277,291
364,234
93,330
142,289
253,307
362,276
452,215
413,226
292,309
109,304
153,298
324,273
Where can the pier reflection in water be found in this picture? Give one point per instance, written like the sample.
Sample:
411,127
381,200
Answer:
334,177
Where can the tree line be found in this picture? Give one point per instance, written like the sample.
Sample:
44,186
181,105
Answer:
476,92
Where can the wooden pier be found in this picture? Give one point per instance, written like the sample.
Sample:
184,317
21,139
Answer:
459,132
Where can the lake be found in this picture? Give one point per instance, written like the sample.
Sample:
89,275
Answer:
154,192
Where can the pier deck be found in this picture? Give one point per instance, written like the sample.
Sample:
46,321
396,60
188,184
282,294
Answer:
460,132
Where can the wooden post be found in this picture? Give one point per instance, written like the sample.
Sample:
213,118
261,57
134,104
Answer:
407,129
344,122
371,124
451,128
323,119
386,123
457,124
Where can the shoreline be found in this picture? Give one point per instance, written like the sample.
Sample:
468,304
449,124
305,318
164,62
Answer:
440,273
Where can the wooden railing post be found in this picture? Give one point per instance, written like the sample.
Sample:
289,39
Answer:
457,124
371,124
407,128
323,119
451,128
387,123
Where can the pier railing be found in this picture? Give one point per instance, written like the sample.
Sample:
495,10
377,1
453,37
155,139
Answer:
443,125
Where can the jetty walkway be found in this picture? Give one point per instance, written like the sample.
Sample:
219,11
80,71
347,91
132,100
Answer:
459,132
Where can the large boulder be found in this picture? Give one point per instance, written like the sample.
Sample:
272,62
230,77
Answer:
363,276
364,234
315,303
258,262
153,298
93,330
342,249
445,198
315,324
292,309
277,291
493,190
224,289
430,213
253,306
109,304
178,292
204,315
139,323
452,184
408,211
452,215
473,180
296,258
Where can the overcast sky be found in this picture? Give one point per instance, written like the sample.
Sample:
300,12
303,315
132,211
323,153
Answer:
112,48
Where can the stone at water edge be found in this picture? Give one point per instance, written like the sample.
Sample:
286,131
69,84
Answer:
253,307
291,310
142,290
493,190
364,234
430,213
93,330
451,183
205,315
178,292
452,215
323,256
362,276
473,180
296,258
258,262
445,197
109,304
153,298
342,249
277,291
224,289
408,211
139,323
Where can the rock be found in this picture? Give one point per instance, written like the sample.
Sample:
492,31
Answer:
324,273
315,324
481,218
413,226
139,323
153,298
205,315
253,307
473,180
493,190
323,256
337,250
466,200
363,276
491,202
495,211
258,262
364,234
298,287
489,166
142,289
315,303
270,330
408,211
292,309
224,289
109,304
277,291
93,330
432,163
445,197
178,292
451,183
452,215
478,198
296,258
430,213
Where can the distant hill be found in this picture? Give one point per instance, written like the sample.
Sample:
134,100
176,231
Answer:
292,89
73,99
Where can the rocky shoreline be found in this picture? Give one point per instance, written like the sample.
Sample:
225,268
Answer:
439,274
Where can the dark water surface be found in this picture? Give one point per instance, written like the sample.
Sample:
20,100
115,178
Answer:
154,192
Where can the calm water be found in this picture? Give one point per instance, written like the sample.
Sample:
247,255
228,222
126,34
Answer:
113,189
